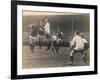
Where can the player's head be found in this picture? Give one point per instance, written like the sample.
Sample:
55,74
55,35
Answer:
61,33
76,33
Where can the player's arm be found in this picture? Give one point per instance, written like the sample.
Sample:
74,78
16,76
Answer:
86,44
29,25
72,43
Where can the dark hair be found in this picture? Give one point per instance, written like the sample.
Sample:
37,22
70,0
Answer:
76,32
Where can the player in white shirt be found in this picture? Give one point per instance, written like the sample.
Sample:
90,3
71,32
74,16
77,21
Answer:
54,37
47,32
77,44
54,45
60,37
47,26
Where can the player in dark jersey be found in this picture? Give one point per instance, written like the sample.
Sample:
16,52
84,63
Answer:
40,33
33,37
60,35
60,38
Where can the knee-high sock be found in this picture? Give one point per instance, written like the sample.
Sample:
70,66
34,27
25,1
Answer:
71,55
71,58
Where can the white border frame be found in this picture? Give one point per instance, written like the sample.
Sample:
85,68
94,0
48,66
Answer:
21,71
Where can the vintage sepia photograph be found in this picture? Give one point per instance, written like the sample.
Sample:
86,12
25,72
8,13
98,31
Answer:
52,39
55,39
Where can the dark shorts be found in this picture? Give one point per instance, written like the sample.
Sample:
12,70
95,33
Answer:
75,51
55,43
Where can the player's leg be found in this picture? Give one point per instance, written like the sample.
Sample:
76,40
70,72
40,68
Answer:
52,47
72,51
31,44
58,43
40,42
86,46
56,47
48,42
71,57
32,48
84,56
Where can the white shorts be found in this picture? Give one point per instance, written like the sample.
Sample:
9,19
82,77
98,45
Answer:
32,39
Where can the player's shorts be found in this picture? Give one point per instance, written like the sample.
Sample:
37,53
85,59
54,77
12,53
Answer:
32,39
80,50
